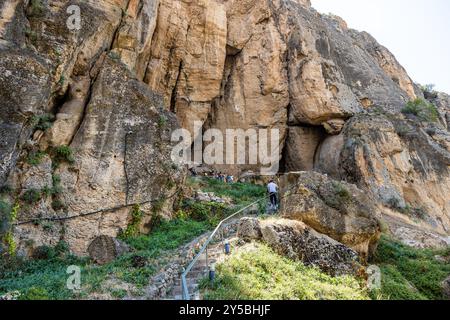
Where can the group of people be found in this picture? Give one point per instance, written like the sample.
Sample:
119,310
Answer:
272,187
224,178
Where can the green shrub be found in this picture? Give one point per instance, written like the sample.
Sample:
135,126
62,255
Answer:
162,121
340,196
56,189
35,158
6,189
36,8
210,212
429,92
47,191
132,229
43,122
422,109
32,196
169,235
58,205
63,154
5,209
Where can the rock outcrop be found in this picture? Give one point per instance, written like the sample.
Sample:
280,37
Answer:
297,241
249,229
402,163
336,209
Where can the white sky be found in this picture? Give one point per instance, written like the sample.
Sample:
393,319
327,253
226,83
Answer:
417,32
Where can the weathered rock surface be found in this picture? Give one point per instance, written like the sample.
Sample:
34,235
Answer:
105,249
249,229
118,129
402,163
297,241
138,68
336,209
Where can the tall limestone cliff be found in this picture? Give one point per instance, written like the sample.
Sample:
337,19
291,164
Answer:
86,115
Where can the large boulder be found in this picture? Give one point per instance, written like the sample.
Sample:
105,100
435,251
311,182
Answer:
336,209
105,249
297,241
249,229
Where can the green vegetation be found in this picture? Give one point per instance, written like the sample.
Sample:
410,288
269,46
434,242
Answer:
56,184
32,196
429,92
46,276
43,122
35,158
36,8
132,229
63,154
261,274
240,193
162,121
340,197
409,273
6,189
422,109
8,215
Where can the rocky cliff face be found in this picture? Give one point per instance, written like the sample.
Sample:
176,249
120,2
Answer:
114,90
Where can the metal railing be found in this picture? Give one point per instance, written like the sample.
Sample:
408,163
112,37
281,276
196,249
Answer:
204,249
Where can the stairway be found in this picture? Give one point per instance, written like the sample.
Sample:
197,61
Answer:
200,271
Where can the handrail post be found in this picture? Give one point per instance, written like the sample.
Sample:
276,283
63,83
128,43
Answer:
206,252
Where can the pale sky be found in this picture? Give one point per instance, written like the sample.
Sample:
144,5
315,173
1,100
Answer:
417,32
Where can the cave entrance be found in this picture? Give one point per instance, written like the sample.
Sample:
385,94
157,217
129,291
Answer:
301,146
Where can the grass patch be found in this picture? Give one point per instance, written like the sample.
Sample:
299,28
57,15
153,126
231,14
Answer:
261,274
409,273
169,235
240,193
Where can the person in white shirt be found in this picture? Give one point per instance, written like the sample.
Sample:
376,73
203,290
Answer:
272,189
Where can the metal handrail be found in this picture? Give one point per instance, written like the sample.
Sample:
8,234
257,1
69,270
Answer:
185,291
184,286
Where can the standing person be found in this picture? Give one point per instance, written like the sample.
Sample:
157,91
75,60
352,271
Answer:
272,189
